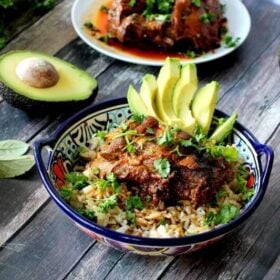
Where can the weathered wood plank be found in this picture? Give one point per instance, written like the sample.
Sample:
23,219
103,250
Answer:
46,249
20,198
274,271
17,21
256,96
97,263
138,267
51,33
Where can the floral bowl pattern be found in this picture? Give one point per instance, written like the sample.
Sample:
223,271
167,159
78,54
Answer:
61,147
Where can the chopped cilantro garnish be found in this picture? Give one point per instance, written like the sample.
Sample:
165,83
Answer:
102,184
77,180
196,3
95,171
138,118
158,9
165,7
105,38
167,138
230,42
223,8
208,17
110,181
66,193
225,214
220,194
104,9
87,213
163,222
190,54
134,202
101,135
111,178
132,3
150,130
108,203
149,198
162,165
223,30
199,135
89,25
177,151
130,148
189,143
123,126
149,7
130,216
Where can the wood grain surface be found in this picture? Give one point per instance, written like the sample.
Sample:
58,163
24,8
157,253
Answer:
38,241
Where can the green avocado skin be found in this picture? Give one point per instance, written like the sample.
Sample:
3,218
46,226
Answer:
41,107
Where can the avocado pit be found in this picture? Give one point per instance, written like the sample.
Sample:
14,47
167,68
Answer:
37,72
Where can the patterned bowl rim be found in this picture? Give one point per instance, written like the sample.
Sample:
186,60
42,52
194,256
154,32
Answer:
260,150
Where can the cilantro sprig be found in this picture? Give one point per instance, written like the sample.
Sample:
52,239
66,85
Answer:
110,182
131,203
167,139
77,180
208,17
134,202
87,213
163,167
158,10
104,9
230,42
196,3
108,203
226,213
138,118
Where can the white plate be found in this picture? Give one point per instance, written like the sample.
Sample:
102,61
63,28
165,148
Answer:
239,24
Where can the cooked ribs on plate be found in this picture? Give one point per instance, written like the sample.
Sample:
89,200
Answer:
188,26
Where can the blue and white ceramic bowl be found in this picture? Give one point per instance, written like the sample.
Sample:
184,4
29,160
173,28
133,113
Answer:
79,129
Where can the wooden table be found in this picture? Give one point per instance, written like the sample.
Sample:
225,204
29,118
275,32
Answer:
38,242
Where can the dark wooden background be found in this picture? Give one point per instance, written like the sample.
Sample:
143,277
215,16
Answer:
38,242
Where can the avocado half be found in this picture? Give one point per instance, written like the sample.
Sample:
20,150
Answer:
74,87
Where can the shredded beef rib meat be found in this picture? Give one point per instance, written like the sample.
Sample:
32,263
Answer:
194,177
200,179
149,122
113,149
128,25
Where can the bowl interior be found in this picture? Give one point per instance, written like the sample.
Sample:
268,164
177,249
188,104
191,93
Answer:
78,134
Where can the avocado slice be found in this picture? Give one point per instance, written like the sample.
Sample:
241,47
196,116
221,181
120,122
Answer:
135,102
70,87
148,92
185,89
203,105
223,130
167,78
